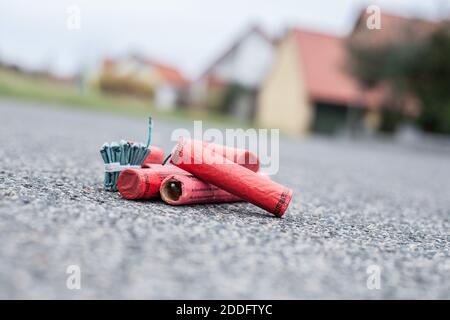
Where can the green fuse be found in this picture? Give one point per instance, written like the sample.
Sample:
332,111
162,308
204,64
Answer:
117,156
104,154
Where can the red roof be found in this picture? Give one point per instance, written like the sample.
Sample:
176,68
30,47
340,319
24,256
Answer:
393,28
170,74
323,60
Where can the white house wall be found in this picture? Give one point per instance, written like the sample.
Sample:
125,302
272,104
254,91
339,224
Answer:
166,97
248,63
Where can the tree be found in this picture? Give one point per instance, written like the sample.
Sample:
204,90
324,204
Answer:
409,68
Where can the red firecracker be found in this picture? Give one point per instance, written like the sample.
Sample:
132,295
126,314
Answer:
242,157
213,168
144,183
187,189
156,156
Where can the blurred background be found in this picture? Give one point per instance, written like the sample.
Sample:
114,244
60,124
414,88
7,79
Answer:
348,67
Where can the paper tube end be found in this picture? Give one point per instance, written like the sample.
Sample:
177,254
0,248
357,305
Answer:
130,184
171,191
283,203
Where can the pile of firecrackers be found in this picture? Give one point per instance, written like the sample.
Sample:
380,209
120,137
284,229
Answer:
195,172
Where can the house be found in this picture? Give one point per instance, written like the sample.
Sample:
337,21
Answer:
230,84
309,88
171,87
164,85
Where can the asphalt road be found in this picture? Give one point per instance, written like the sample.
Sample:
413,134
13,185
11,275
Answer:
355,205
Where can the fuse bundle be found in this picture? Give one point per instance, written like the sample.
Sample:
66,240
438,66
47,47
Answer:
119,156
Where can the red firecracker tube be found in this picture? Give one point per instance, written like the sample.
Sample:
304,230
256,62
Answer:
213,168
181,189
137,183
242,157
156,156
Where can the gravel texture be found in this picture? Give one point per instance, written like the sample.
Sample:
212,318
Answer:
355,205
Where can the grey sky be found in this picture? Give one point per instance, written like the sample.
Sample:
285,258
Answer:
185,33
